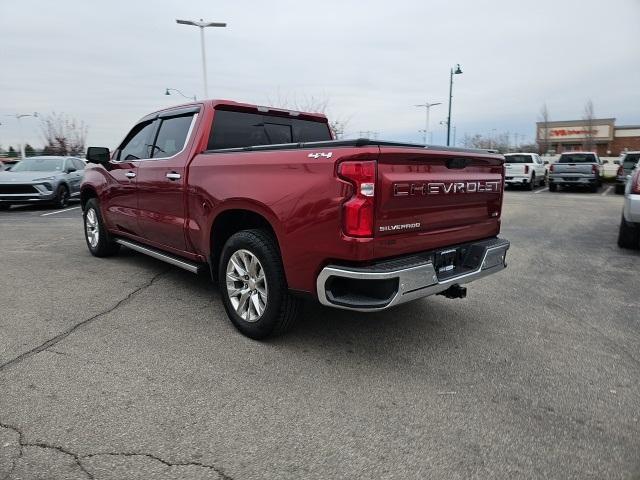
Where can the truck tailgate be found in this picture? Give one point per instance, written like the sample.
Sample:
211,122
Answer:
426,193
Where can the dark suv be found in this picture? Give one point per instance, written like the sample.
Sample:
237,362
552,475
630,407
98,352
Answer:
628,161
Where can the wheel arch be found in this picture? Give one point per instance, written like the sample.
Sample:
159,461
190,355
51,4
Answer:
231,221
86,193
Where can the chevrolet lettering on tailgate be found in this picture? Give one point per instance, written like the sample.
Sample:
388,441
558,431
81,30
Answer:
438,188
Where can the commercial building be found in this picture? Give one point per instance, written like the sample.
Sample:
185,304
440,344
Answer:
601,135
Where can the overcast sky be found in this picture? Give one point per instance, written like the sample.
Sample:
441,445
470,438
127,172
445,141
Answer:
108,62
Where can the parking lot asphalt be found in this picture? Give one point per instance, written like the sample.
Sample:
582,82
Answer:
127,368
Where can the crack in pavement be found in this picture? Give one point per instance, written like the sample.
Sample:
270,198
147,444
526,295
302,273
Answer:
219,471
61,336
78,458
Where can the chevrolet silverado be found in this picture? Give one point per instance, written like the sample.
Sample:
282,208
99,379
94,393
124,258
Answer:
582,169
276,209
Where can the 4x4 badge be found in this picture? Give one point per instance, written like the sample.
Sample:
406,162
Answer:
320,154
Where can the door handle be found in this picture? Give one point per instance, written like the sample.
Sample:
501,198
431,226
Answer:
130,174
173,176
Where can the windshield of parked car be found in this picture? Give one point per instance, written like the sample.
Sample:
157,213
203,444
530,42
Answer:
39,165
630,161
518,159
577,158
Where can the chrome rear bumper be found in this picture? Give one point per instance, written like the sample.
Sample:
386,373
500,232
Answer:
392,282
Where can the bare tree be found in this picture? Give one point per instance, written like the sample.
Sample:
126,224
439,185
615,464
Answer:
498,142
311,104
544,120
63,135
589,134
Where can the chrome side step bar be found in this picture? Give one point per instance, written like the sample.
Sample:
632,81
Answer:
165,257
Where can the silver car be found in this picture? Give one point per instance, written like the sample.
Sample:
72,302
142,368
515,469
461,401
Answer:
629,235
41,179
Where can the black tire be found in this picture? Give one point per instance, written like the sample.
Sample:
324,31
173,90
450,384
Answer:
5,206
628,235
594,188
532,183
281,308
62,196
619,188
553,187
543,182
105,245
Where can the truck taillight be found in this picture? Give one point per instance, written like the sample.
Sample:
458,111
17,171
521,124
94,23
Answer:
635,182
594,169
359,209
551,168
526,169
620,171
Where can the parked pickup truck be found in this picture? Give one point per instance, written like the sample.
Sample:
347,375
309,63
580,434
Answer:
276,209
583,169
524,169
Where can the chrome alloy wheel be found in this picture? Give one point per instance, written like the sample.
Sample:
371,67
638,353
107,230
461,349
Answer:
246,285
92,228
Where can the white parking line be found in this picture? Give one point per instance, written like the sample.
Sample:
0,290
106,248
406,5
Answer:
59,211
542,190
606,191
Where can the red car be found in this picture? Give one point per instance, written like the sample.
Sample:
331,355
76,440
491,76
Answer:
277,210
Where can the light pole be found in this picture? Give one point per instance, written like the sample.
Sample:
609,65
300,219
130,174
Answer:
18,116
427,106
169,90
202,25
457,71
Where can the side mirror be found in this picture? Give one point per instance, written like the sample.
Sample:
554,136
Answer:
71,169
546,162
605,162
616,162
100,155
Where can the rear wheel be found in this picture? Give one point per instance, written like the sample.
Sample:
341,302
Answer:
99,240
62,197
532,183
628,235
594,188
553,187
253,285
5,206
619,188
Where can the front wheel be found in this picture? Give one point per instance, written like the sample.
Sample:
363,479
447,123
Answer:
62,197
99,240
253,285
553,187
619,189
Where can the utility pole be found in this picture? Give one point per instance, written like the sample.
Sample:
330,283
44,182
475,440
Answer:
458,71
427,106
19,116
202,25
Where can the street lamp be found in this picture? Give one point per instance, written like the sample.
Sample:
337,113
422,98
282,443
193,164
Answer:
169,90
457,71
202,25
18,116
427,106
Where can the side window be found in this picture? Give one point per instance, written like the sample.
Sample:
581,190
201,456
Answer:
137,144
68,163
79,164
172,136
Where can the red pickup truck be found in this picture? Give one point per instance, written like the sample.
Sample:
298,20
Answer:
276,209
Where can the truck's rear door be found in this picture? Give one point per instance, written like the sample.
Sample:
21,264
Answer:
428,198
